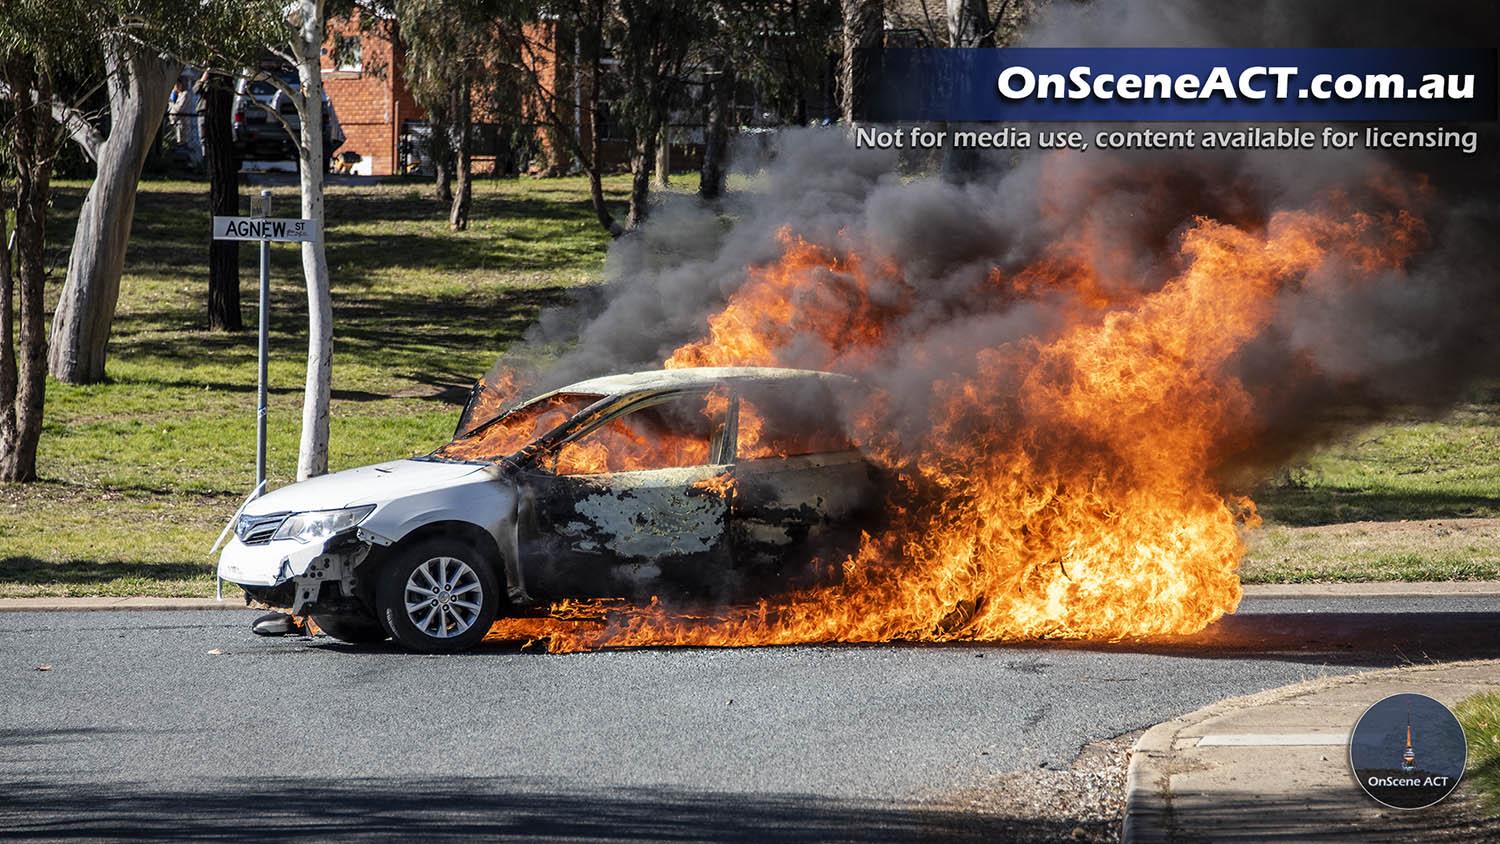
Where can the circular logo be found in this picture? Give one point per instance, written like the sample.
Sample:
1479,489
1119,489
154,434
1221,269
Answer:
1408,751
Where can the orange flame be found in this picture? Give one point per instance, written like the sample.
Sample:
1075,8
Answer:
1062,485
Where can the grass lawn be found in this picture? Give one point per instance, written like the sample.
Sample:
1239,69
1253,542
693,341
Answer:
142,472
1480,717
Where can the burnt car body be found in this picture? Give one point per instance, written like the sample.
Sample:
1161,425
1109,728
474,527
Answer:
691,485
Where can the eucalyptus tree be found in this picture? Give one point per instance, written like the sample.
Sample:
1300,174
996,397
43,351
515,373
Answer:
98,74
654,42
42,43
140,48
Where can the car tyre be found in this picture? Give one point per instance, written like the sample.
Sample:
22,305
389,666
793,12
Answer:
351,628
439,595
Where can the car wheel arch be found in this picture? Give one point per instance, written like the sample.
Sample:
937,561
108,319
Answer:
469,533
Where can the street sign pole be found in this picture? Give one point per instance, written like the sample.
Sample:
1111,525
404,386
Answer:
265,330
260,226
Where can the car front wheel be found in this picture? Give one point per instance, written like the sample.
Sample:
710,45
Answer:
438,596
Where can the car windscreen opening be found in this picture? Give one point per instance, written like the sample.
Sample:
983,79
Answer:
515,429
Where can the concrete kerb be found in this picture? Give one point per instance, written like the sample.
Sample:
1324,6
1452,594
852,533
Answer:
1148,807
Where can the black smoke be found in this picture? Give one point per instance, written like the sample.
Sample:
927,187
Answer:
1418,337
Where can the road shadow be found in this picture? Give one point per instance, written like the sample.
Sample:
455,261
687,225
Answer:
1356,639
1332,812
1312,506
289,806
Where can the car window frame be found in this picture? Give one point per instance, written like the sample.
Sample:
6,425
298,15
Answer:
596,416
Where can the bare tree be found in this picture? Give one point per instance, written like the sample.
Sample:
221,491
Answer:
570,112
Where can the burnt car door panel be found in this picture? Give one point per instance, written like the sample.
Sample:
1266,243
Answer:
802,491
632,504
624,534
788,511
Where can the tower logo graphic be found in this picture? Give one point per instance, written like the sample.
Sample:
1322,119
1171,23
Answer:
1408,751
1409,758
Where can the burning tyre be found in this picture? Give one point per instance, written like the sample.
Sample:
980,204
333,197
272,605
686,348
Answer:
709,485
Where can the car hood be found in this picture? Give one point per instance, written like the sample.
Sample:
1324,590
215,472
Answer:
366,485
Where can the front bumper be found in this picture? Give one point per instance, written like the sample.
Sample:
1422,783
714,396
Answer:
268,564
290,576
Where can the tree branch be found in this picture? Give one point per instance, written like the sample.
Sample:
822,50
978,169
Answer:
79,129
72,120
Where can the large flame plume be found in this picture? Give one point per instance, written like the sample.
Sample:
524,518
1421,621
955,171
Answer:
1059,483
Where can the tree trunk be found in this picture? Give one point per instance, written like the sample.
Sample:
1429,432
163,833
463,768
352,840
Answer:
462,112
969,24
217,99
642,153
138,84
662,177
591,162
312,455
7,331
716,136
442,157
23,376
864,29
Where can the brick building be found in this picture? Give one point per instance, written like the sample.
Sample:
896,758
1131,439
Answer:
362,73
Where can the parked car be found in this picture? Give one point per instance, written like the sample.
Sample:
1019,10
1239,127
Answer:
258,136
693,485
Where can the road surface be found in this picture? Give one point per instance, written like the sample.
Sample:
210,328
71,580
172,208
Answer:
162,725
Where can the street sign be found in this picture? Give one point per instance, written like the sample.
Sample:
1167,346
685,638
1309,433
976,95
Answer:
264,228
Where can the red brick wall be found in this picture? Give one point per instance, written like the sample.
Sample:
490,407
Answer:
372,102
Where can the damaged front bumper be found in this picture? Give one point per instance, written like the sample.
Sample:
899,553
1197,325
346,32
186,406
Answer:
291,576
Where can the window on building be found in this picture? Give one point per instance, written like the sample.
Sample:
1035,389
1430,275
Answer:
347,53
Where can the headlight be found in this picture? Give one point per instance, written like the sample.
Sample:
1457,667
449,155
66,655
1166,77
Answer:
315,525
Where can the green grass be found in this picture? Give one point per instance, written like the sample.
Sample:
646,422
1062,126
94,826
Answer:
1409,499
140,473
1404,468
1480,717
1438,549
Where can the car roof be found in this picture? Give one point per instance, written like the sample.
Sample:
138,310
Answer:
704,377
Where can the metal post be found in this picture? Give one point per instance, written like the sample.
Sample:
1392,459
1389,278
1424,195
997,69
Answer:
265,328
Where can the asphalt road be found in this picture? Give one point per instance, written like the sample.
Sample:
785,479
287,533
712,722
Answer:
140,730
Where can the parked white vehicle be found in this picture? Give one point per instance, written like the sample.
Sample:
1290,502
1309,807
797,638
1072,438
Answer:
695,484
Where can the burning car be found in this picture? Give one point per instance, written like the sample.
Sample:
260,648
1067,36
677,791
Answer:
715,484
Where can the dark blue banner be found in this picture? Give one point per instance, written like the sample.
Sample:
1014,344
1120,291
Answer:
1178,83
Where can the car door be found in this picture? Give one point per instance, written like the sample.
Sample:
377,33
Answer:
802,492
634,506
